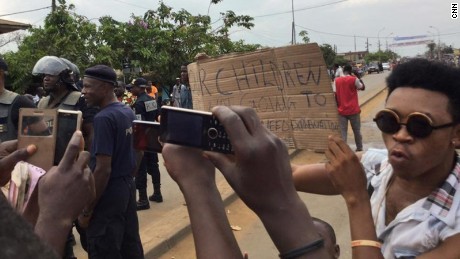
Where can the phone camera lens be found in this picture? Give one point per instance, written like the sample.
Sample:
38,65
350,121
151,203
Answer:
212,133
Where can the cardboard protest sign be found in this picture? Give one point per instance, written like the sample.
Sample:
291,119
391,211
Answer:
289,87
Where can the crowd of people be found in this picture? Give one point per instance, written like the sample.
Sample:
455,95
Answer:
402,201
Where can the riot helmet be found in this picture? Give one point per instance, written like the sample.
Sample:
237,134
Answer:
51,65
74,68
75,73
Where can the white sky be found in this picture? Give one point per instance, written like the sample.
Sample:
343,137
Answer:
334,24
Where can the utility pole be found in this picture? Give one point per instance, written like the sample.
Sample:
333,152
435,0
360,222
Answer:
367,45
293,40
386,40
439,42
378,36
53,6
355,42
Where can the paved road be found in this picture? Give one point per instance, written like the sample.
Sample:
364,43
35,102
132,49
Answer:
164,228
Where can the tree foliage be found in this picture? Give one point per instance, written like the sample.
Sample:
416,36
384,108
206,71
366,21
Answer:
382,56
329,54
158,42
304,35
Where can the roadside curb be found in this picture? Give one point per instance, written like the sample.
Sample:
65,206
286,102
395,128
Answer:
373,96
176,224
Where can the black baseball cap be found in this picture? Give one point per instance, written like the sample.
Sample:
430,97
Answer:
141,82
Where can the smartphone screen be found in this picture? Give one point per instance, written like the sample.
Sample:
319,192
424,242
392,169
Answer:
38,127
185,127
68,123
146,136
35,126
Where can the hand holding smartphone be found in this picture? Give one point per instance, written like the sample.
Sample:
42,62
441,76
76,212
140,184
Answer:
193,128
50,130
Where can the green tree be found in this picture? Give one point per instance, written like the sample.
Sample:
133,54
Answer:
158,42
304,35
382,56
64,34
431,47
329,54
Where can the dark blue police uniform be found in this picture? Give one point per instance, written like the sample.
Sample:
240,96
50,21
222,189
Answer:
146,109
113,231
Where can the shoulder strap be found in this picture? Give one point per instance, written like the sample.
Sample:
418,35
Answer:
8,97
43,103
72,98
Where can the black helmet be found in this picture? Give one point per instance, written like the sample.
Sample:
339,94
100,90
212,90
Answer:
51,65
74,68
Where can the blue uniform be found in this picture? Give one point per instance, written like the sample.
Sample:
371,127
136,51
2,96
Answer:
113,231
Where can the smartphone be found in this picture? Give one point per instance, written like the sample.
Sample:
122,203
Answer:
193,128
68,121
38,127
146,136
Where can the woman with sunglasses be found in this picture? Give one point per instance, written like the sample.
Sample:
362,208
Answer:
403,202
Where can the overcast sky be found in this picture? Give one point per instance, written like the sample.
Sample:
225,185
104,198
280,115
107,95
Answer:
327,21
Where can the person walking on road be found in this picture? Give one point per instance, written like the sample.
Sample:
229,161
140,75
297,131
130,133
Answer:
346,93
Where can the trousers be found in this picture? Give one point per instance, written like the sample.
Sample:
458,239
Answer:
149,165
355,121
113,231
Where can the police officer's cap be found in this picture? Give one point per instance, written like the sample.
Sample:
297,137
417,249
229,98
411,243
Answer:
102,73
140,82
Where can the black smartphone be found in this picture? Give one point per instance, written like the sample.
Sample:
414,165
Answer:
194,129
145,136
68,121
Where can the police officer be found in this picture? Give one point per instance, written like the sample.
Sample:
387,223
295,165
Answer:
59,83
10,103
146,109
59,77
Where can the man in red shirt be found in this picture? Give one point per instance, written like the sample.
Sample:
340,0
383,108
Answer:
347,102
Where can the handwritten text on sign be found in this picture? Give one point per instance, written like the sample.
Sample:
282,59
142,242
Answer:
288,87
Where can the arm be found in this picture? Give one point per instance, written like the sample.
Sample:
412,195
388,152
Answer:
260,174
312,179
347,175
448,249
87,129
195,176
18,238
63,192
101,177
359,84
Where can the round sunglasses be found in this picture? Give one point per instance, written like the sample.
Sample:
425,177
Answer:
418,125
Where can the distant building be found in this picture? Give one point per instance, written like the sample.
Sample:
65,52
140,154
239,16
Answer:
356,56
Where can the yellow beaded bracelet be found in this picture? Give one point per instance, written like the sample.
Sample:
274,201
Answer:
372,243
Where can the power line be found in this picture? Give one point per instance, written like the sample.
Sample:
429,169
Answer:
138,6
361,36
28,11
300,9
